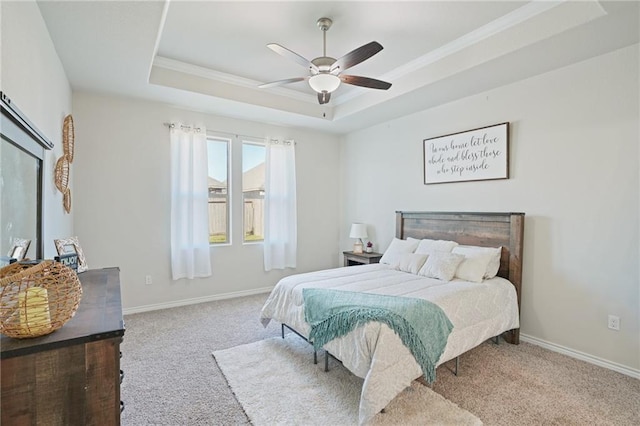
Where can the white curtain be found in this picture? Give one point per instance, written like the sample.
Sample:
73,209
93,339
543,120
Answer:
190,256
280,236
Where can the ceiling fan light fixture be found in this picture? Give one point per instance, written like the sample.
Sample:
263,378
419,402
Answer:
325,72
324,82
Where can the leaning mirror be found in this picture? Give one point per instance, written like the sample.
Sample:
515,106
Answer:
22,149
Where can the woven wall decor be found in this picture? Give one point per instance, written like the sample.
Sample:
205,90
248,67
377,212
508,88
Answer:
66,200
37,300
68,137
62,174
63,165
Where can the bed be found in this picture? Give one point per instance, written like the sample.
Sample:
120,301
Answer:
477,310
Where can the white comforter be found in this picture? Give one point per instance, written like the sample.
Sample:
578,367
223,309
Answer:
478,311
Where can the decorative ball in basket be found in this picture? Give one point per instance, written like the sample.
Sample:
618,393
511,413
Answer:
36,300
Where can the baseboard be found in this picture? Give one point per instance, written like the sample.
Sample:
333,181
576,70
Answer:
627,371
195,300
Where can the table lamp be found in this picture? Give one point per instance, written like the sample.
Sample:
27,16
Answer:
359,231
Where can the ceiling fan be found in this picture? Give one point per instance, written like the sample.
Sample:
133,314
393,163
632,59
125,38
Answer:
325,73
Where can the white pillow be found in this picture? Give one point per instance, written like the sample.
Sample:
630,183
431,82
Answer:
441,265
427,246
410,262
395,249
494,254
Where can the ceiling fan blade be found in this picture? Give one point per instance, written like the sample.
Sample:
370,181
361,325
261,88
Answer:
324,97
371,83
293,56
281,82
356,56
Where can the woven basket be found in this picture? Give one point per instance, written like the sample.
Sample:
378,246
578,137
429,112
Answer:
37,300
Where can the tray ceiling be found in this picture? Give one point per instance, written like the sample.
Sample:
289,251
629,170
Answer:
210,56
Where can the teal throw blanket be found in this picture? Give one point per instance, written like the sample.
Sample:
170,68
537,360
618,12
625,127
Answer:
421,325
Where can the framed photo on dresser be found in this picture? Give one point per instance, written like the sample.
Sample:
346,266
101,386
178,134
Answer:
68,246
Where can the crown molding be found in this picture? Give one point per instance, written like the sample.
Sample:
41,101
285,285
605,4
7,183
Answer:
203,72
493,28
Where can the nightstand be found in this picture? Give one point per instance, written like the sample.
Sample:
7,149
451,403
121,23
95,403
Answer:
351,258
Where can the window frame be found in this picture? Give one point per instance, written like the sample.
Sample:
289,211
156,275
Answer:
257,142
214,137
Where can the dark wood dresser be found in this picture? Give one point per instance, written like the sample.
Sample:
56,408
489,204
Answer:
71,376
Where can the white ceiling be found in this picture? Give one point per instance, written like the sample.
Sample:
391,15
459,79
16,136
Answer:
210,56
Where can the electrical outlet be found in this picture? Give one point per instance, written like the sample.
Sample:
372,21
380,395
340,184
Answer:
614,322
148,280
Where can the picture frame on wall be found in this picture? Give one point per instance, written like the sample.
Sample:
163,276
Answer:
472,155
71,245
19,249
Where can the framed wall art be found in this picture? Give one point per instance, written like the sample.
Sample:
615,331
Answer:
72,246
478,154
19,249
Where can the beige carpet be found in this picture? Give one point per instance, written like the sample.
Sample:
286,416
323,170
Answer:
524,384
171,378
276,382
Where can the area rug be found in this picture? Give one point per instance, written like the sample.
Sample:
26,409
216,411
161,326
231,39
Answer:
277,383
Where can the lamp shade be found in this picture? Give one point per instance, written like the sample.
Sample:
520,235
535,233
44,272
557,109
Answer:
358,230
324,82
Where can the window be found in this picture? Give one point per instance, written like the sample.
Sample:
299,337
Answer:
250,156
218,184
253,178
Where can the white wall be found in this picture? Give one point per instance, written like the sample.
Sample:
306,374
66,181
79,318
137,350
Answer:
34,79
122,200
574,172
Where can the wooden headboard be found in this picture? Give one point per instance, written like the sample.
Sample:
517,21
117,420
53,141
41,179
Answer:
504,230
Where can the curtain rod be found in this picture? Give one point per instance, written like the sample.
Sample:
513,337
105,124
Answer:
214,132
173,125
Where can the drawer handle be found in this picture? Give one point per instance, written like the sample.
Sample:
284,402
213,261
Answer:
121,406
121,376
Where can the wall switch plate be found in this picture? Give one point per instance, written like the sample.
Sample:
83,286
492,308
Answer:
614,322
148,280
